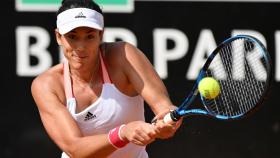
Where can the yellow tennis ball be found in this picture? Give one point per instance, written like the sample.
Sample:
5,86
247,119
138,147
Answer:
209,88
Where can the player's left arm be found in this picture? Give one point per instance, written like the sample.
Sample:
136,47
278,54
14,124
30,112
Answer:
148,84
145,80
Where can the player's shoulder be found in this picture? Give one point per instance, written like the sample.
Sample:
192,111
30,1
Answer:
50,78
117,47
118,51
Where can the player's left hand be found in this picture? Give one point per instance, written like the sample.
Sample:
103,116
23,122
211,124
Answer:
165,130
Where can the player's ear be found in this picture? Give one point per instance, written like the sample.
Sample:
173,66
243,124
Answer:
58,37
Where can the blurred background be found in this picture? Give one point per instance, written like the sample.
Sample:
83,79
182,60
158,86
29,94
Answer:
176,36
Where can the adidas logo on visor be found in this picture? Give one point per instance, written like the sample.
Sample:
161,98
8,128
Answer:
80,15
89,116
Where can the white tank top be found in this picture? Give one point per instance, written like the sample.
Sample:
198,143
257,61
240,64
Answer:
111,109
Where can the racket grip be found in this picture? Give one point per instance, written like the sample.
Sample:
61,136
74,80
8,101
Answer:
171,117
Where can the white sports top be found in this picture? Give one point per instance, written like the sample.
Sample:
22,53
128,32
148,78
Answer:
111,109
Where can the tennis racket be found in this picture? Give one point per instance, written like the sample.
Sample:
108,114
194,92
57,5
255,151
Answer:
242,67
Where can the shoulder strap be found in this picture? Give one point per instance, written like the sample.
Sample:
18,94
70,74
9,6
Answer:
105,74
67,80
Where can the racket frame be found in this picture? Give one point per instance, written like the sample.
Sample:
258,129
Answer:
182,111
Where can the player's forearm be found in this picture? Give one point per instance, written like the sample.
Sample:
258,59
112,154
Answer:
162,107
90,146
69,138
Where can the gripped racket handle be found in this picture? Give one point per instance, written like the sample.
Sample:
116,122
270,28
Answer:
171,117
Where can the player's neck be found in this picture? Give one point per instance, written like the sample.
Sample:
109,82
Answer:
88,75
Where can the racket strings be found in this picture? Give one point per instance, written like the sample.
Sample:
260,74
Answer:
242,75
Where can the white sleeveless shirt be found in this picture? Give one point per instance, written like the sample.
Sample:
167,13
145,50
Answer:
110,110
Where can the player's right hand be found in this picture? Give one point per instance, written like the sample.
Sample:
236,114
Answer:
139,133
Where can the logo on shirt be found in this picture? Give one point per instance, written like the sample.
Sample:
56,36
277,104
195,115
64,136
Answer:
80,15
89,116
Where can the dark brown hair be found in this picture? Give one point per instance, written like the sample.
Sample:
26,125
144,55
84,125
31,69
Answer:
69,4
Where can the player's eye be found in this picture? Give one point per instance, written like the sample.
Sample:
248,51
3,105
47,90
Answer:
71,36
90,36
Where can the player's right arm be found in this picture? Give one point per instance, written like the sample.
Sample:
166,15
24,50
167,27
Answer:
60,125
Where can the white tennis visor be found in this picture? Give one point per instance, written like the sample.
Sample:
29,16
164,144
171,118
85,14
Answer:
79,17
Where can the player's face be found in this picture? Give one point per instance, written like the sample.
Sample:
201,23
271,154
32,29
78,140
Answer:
81,45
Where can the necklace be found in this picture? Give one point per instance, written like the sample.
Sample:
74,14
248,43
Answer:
90,82
91,85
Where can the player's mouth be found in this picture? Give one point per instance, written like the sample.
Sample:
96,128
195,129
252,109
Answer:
79,55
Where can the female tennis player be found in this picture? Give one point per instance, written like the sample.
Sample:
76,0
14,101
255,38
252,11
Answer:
92,104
